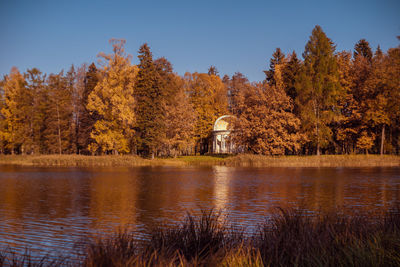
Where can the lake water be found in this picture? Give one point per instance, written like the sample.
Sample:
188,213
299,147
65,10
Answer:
50,210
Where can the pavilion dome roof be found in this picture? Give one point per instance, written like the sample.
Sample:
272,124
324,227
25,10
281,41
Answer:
222,123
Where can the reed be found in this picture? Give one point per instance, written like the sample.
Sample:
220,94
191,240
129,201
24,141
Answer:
314,161
287,238
210,160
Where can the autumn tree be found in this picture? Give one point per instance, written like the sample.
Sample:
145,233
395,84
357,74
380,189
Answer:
150,107
58,115
212,70
318,89
36,85
237,84
208,95
391,77
15,112
113,100
265,125
382,86
347,126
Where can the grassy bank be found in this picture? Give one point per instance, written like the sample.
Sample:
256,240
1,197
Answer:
238,160
288,238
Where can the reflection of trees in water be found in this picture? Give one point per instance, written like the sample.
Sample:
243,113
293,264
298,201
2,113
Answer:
113,196
222,175
47,204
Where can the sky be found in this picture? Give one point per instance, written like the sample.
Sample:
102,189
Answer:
234,36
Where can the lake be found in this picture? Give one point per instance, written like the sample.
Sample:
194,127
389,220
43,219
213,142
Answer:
52,210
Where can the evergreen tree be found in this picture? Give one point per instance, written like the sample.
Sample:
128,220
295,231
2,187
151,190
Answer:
87,118
150,108
363,49
318,89
289,73
278,57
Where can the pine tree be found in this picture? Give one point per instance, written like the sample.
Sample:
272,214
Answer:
150,108
363,49
87,118
289,73
318,89
278,57
113,100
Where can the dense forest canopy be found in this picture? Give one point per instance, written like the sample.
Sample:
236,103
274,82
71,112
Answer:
328,102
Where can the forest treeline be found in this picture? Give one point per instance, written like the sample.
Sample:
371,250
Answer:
328,102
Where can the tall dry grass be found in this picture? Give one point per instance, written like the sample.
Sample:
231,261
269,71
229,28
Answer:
314,161
228,160
288,238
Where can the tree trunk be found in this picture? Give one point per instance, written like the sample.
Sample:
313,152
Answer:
382,138
59,131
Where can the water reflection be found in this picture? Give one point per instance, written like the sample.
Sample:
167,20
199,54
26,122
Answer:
49,209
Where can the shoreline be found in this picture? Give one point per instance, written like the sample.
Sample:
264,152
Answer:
243,160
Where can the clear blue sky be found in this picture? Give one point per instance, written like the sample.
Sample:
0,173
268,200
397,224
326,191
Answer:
232,35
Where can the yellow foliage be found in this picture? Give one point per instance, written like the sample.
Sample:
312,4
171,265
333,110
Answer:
113,99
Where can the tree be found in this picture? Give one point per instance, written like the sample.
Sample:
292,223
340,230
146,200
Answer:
150,107
212,70
363,49
348,124
278,57
87,119
113,100
178,111
365,141
180,121
265,124
208,95
392,81
36,85
58,115
237,84
289,73
318,89
383,86
14,110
